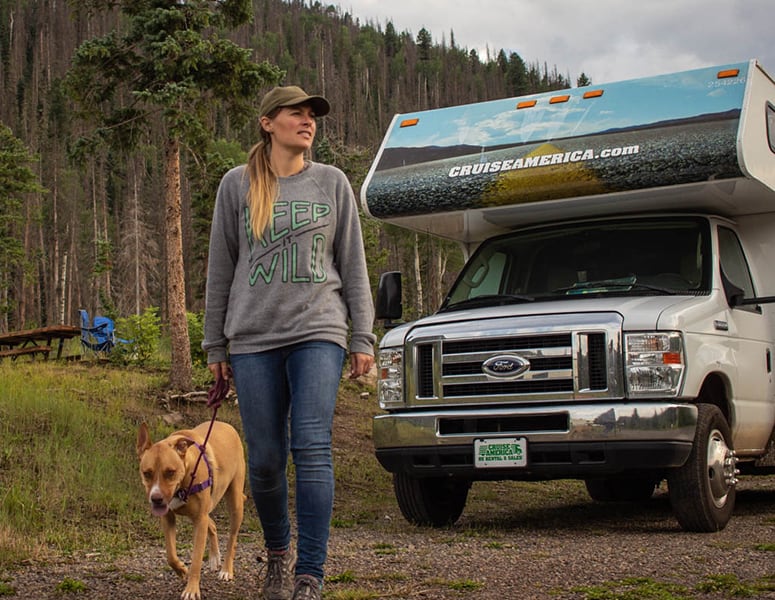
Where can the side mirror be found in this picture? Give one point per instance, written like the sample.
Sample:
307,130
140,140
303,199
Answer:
388,304
733,293
736,296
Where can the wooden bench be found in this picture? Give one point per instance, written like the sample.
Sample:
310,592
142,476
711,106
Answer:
31,351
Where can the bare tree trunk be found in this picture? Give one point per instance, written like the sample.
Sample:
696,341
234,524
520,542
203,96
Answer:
95,284
74,295
136,226
62,308
57,262
5,281
181,371
441,269
107,248
418,275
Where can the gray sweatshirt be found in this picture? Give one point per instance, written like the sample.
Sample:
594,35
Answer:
304,280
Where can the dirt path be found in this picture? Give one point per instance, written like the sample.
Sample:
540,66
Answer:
545,553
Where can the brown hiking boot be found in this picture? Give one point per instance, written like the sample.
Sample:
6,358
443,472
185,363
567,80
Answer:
278,583
308,587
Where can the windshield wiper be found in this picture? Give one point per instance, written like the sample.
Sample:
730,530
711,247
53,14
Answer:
488,300
657,288
621,284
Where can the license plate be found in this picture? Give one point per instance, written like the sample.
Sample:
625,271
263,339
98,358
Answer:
500,452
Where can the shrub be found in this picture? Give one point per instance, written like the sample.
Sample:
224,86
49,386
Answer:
142,333
196,333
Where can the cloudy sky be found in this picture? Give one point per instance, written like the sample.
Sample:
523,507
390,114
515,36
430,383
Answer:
608,40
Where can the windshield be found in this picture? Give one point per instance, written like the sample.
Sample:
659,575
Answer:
647,256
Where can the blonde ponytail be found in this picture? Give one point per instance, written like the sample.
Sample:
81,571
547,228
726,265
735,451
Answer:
263,187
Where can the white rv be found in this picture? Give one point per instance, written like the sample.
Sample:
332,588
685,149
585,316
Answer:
613,322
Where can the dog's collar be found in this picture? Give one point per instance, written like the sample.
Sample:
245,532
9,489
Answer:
182,494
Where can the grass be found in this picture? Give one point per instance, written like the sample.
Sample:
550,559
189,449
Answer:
645,588
68,466
67,434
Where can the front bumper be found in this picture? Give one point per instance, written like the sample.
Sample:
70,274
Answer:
563,442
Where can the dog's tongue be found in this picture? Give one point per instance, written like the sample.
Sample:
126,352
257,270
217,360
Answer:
159,510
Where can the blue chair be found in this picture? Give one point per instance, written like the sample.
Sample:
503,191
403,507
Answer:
99,336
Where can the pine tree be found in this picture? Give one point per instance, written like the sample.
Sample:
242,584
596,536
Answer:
167,68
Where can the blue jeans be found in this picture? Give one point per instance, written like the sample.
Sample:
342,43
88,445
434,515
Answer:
301,381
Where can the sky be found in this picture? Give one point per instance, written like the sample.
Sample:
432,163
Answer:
607,40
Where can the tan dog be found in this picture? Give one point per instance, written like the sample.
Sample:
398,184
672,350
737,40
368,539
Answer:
165,469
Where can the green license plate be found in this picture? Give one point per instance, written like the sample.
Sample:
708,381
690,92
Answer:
500,452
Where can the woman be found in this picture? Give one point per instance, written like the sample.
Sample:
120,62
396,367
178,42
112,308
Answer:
286,274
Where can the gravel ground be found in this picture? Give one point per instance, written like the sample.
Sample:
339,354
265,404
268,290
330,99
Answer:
548,552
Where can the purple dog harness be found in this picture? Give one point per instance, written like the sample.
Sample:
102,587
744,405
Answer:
182,495
215,395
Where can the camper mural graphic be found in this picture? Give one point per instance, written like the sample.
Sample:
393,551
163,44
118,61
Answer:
672,129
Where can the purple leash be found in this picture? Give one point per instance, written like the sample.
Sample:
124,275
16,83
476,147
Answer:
215,395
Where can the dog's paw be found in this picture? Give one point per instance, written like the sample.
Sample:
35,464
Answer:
191,593
180,569
214,561
225,576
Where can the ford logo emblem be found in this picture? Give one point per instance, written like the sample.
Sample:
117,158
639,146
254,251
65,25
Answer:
505,366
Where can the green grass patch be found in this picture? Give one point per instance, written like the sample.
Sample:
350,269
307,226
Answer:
465,585
350,595
644,588
344,577
731,586
635,588
71,586
384,549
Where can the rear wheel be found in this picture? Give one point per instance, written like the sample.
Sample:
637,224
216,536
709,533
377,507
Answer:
621,488
431,501
702,491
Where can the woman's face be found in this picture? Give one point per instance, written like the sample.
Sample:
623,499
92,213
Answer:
293,127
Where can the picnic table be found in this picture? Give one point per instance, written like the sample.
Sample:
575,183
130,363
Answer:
34,342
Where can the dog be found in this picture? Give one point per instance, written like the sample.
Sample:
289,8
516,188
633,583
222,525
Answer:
166,469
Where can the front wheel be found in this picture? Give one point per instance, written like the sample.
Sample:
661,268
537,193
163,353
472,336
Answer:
431,501
702,491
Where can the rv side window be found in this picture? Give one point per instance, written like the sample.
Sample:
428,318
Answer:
771,125
733,261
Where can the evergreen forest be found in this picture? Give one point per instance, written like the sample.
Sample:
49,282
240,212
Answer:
118,118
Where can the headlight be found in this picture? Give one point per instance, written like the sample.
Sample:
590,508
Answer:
654,364
390,389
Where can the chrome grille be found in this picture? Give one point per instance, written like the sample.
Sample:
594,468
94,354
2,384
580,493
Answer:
574,362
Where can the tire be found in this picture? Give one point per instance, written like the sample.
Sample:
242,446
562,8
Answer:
430,501
621,488
702,491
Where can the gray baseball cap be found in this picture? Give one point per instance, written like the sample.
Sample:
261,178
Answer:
292,95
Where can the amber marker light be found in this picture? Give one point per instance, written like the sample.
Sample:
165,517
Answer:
558,99
727,73
527,104
671,358
593,94
409,122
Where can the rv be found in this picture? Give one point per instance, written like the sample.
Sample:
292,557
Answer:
613,322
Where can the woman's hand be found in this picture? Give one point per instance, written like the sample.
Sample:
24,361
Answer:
220,370
360,364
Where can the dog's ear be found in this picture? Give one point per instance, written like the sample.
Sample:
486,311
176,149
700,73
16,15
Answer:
143,439
181,446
